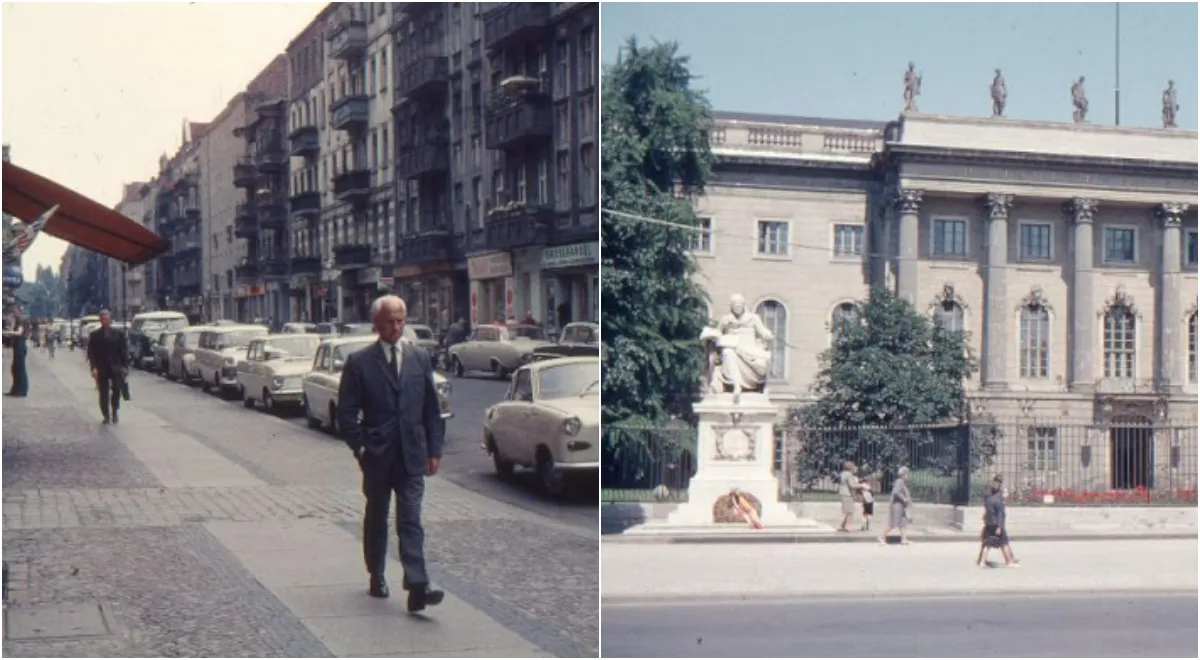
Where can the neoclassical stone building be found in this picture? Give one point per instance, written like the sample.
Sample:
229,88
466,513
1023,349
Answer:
1066,251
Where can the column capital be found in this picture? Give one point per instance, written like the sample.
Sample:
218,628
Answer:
908,200
1171,213
998,205
1081,210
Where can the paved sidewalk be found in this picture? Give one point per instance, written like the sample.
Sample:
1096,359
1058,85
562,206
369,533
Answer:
645,572
141,540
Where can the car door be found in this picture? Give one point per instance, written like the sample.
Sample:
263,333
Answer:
322,381
309,382
245,368
517,419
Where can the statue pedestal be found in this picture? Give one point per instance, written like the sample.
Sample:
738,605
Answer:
735,449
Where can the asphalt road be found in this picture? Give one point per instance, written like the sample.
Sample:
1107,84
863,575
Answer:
1100,625
464,462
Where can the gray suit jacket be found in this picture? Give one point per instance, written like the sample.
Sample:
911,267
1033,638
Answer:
401,417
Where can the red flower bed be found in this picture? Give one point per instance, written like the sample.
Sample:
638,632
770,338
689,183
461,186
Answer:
1139,495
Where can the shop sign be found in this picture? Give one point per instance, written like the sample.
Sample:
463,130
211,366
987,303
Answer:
490,266
568,256
369,275
240,291
257,290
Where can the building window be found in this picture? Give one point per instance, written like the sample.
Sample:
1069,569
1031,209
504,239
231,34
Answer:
562,192
702,238
1043,448
950,315
773,237
1119,342
774,317
1120,245
848,241
543,182
587,179
1192,347
1035,241
843,315
519,175
1035,342
586,63
950,238
1189,248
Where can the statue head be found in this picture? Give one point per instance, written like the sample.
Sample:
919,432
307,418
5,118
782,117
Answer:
1170,84
911,66
1081,79
997,73
737,304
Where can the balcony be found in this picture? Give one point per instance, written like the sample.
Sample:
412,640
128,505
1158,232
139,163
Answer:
416,161
245,174
245,222
275,266
428,74
516,120
431,246
303,203
169,224
353,186
272,211
187,251
350,113
271,156
247,273
348,39
306,265
352,255
515,22
189,285
305,141
514,226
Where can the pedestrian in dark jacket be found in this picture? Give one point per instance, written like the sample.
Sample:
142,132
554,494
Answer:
995,527
108,354
20,376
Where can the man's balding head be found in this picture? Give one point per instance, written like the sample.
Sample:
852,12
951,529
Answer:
389,314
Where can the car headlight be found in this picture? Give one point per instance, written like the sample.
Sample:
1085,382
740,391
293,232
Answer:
443,390
230,362
572,426
277,382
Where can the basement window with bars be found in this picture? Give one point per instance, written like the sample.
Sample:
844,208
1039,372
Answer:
1042,448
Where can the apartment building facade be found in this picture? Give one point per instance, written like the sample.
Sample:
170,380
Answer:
128,293
1067,252
219,151
179,275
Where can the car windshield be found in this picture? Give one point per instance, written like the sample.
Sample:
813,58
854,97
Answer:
240,338
298,346
344,351
166,339
567,380
191,339
299,328
580,334
355,329
526,332
421,333
151,326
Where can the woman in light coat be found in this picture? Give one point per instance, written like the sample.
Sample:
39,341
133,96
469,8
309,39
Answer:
898,515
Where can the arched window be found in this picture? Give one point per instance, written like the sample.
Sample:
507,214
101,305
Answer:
844,314
774,317
1192,347
950,315
1119,342
1035,342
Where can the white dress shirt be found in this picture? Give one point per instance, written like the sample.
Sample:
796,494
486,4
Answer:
387,352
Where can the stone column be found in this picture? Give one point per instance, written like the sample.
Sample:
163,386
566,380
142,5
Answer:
1171,359
908,207
1081,213
996,317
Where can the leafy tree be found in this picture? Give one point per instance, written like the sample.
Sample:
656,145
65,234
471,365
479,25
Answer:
889,367
655,162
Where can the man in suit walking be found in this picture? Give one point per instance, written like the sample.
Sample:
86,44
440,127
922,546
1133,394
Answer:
109,356
398,443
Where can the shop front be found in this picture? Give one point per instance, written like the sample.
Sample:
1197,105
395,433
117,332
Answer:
571,276
492,288
250,300
433,292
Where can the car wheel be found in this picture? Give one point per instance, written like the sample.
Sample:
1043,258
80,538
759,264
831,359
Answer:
313,422
499,370
504,467
268,402
247,400
551,480
333,425
458,368
204,386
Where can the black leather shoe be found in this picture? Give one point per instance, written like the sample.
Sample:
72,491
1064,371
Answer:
421,596
379,588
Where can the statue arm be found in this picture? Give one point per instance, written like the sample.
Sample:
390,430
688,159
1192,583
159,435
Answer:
761,330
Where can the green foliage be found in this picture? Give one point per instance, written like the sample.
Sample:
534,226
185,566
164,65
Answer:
43,295
655,161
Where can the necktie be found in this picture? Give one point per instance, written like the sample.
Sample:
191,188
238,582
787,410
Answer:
395,361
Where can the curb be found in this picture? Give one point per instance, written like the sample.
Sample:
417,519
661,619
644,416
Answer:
684,600
747,538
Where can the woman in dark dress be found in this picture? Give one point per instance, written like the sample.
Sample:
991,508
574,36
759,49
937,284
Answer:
995,527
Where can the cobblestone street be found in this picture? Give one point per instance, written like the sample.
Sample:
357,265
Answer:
199,528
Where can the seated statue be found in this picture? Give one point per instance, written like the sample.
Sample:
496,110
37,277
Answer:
739,351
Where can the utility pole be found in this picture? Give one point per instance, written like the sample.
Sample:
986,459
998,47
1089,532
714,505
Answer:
1117,63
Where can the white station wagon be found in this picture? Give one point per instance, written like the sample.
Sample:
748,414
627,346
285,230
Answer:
272,372
549,421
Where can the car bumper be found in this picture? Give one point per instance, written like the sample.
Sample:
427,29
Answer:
287,396
577,467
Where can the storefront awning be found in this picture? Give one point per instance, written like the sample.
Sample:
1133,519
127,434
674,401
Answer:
79,220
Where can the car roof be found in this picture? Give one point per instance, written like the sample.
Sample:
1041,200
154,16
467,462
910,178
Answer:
554,362
160,315
236,328
353,339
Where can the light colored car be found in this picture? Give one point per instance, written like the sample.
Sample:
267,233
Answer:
298,328
218,352
421,335
500,349
322,381
549,421
161,356
144,333
182,363
273,367
580,338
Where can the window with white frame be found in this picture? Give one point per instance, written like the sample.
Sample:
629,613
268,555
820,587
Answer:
1120,245
950,316
1035,241
848,241
1042,448
1192,347
949,238
1189,248
519,175
844,315
543,181
774,317
773,237
1035,342
702,237
1120,347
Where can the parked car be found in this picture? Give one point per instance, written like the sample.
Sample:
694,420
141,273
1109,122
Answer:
575,339
162,351
549,421
145,329
84,327
298,328
500,349
273,368
322,381
353,329
218,352
182,362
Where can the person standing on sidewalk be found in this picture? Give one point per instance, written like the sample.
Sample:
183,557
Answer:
848,492
398,443
20,375
108,355
995,527
898,510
